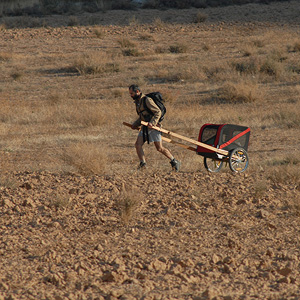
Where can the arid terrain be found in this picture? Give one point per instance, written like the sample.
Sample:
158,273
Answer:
79,221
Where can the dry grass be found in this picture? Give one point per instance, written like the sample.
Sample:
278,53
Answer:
126,43
200,17
178,48
99,33
250,79
5,56
86,158
287,174
238,93
96,63
128,203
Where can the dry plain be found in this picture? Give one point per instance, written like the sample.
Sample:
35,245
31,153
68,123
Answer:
78,221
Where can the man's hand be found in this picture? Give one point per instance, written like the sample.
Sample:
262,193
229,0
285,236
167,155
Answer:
150,125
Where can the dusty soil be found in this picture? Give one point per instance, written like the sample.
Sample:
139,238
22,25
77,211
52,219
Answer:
155,234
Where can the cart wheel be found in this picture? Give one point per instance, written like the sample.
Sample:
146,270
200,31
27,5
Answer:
238,160
213,165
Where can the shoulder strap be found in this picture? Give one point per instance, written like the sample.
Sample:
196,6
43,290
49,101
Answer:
145,105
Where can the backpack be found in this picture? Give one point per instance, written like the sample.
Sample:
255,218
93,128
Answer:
159,101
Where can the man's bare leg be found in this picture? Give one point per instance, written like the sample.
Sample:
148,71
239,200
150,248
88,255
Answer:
160,148
139,148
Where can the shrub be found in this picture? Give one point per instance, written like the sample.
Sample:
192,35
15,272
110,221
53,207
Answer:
5,56
200,17
294,48
73,21
179,48
99,33
258,43
95,63
271,68
131,52
125,43
237,93
147,37
297,47
16,75
128,204
86,158
160,50
206,47
247,67
159,23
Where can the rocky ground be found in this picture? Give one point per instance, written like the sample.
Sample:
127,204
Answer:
172,236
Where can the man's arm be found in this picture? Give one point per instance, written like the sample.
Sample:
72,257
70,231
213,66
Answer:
155,110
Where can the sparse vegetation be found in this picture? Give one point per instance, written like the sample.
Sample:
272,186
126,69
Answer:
246,67
131,52
294,48
126,43
200,17
238,93
99,33
73,21
96,63
178,48
128,204
17,75
86,158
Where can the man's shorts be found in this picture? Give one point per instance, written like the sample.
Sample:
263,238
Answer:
154,135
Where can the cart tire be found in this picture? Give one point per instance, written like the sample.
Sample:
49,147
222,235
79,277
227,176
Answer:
238,160
212,165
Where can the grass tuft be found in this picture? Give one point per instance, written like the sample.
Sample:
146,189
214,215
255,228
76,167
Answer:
131,52
126,43
128,204
96,63
238,93
178,48
200,17
86,158
99,33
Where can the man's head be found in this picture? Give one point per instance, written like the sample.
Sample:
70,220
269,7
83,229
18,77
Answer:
135,91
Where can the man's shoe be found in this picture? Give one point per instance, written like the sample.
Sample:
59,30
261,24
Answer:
142,165
175,164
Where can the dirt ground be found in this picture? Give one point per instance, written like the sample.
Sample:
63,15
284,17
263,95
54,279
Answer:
78,221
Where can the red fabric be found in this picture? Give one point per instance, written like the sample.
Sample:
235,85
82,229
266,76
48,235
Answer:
234,138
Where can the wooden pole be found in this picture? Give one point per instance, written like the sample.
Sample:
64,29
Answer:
169,140
220,151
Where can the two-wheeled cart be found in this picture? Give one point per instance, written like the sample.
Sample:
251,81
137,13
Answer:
217,143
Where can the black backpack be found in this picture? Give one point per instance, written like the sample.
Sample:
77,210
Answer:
159,101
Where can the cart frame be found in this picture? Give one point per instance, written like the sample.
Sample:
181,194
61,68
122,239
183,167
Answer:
237,158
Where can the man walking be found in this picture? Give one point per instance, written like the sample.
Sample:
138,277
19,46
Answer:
149,112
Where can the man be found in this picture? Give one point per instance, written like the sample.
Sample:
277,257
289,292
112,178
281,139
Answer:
143,102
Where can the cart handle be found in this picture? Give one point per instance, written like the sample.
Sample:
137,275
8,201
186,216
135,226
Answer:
219,151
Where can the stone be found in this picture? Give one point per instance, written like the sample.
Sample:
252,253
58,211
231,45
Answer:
262,214
158,265
209,293
215,259
26,186
29,203
284,271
